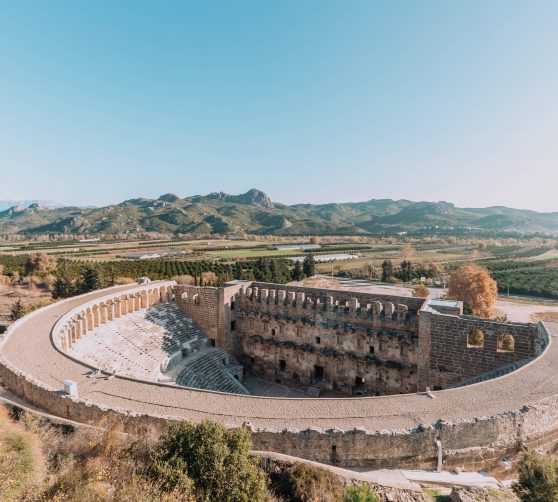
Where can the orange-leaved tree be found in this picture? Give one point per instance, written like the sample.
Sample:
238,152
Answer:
474,286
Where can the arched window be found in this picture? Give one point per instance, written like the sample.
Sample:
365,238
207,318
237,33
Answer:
475,339
184,296
505,343
196,299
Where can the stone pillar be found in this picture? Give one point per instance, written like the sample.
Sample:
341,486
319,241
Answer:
376,308
291,298
117,304
281,296
144,300
389,309
102,313
89,319
402,311
110,311
95,314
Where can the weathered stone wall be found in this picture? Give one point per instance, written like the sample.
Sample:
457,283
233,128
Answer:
448,356
335,341
213,309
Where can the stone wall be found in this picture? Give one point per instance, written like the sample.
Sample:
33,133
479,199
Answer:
213,309
454,348
341,343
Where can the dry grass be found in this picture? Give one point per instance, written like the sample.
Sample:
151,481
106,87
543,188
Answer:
22,465
545,316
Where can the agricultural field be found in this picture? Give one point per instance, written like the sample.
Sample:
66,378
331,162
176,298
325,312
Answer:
520,266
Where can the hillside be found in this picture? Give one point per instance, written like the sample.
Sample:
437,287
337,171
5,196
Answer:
254,212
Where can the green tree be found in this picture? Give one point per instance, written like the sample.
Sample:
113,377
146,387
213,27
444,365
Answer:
387,270
538,479
17,311
211,459
406,273
297,273
309,266
91,280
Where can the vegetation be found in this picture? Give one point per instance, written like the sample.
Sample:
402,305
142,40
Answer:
421,291
209,460
202,462
17,464
473,285
314,484
538,479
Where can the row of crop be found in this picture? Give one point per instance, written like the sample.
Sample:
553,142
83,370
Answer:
542,281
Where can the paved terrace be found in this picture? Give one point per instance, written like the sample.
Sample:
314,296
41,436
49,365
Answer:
30,349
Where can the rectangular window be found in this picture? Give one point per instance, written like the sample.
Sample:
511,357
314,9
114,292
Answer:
371,349
233,325
282,364
273,332
232,304
318,340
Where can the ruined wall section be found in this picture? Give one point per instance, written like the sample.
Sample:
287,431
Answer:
213,309
336,341
455,349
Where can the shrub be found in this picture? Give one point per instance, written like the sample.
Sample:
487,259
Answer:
505,343
421,291
538,479
211,459
311,484
475,338
360,493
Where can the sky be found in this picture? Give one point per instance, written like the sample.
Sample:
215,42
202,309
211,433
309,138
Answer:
310,101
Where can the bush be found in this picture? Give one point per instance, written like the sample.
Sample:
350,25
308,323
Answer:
360,493
421,291
311,484
211,460
538,479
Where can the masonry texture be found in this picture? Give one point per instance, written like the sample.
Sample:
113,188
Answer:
478,424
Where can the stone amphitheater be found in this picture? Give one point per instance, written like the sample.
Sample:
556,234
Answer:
384,381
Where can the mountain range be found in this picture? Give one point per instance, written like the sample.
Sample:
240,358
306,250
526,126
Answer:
254,212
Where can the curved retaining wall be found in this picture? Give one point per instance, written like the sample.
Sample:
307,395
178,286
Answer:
477,425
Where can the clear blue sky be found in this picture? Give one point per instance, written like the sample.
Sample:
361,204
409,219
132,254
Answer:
310,101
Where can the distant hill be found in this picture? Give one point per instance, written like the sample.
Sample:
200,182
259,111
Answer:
254,212
48,204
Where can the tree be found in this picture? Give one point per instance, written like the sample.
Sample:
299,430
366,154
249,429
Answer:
40,264
309,266
538,479
17,311
421,291
406,271
91,280
387,270
211,459
474,286
298,273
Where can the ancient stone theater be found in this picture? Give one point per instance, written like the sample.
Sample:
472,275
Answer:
346,378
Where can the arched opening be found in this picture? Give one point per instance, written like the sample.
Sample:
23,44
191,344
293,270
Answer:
475,339
505,343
